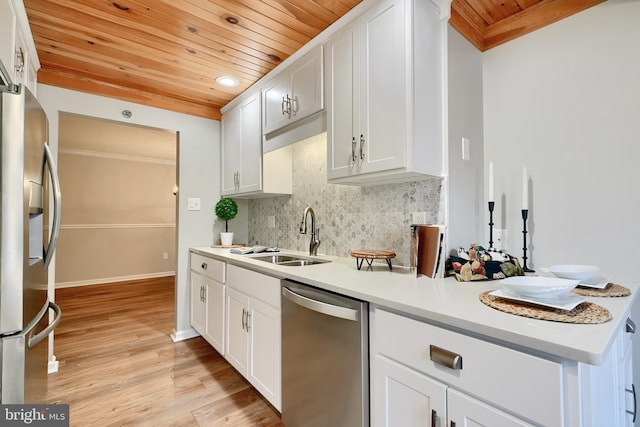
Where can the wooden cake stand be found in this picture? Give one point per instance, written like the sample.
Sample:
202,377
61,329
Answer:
370,254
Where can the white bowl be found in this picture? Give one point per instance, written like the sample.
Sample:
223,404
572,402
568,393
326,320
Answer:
538,287
575,272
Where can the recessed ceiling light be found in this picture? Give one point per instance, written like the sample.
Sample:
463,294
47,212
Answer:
227,81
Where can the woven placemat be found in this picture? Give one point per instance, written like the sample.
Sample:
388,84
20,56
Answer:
611,290
587,312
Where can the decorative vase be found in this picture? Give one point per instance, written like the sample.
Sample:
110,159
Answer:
226,239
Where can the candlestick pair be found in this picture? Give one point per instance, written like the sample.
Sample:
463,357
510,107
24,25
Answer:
525,216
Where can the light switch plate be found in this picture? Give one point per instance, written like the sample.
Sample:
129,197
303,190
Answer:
466,154
193,204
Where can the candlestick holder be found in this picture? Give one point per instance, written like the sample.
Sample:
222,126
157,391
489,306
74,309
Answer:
491,207
525,216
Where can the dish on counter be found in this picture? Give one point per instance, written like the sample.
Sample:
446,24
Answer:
538,286
567,301
574,271
598,282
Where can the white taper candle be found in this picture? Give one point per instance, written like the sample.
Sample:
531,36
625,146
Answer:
491,198
525,188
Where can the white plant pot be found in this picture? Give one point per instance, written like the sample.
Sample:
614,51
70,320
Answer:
226,239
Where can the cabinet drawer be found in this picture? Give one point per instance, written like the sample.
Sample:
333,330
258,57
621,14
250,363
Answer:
518,382
208,267
256,285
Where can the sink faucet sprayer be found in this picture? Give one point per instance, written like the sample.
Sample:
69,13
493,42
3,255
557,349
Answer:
315,242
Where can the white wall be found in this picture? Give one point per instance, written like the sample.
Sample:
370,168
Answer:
197,168
565,102
465,181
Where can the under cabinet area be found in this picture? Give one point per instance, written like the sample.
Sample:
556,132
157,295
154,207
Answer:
253,330
208,299
295,93
384,89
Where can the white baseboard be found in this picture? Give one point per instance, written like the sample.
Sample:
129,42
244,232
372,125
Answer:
104,280
184,334
53,365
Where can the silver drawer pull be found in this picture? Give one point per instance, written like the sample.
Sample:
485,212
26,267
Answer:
204,266
445,358
631,326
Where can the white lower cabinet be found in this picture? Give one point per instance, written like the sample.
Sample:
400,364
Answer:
423,374
207,299
253,330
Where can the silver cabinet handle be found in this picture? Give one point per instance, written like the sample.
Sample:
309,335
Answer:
353,149
445,358
204,266
19,62
282,106
244,319
631,326
248,321
321,307
361,147
635,407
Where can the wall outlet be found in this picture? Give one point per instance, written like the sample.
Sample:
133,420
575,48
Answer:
419,218
165,255
500,239
271,221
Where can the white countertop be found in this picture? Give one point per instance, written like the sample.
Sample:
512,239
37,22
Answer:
449,303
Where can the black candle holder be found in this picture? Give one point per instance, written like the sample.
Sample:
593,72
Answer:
525,215
491,207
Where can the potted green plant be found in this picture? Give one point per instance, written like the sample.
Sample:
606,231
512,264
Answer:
226,209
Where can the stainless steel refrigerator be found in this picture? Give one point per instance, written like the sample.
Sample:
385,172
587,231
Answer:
27,178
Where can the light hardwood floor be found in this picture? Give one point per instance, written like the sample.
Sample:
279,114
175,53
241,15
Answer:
119,366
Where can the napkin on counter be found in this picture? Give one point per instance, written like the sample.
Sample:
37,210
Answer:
253,249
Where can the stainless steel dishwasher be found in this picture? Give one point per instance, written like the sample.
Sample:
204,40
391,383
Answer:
325,358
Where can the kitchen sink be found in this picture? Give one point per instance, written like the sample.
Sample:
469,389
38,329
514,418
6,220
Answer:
291,260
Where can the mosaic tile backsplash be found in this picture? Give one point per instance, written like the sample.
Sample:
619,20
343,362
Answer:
349,217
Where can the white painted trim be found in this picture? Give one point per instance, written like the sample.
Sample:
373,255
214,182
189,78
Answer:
113,226
53,365
116,156
104,280
184,334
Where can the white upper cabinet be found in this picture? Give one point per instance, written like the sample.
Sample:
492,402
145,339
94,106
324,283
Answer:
246,171
7,35
242,148
17,50
384,79
295,93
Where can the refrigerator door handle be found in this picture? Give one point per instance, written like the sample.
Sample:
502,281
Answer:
33,340
55,184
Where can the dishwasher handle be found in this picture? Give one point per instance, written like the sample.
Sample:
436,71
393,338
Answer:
321,307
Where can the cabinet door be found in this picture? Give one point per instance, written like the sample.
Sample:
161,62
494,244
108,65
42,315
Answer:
404,397
276,96
342,68
307,85
7,35
250,178
215,315
237,347
264,360
231,137
382,137
198,304
466,411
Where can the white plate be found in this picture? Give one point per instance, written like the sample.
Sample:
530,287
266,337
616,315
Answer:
537,286
574,272
599,282
567,301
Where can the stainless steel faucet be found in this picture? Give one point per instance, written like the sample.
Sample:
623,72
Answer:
315,242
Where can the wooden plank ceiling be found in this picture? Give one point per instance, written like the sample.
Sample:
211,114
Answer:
167,53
